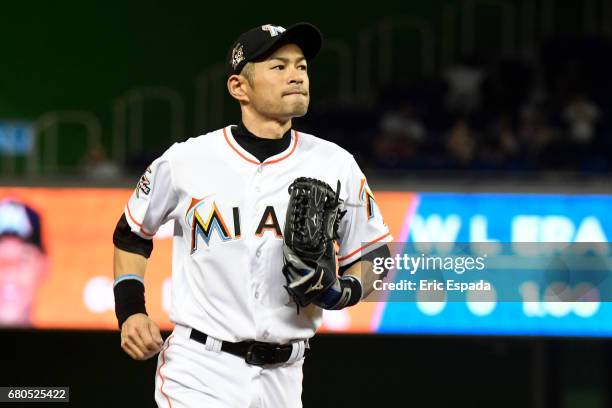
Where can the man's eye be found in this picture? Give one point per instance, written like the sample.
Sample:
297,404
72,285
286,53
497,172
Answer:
303,67
279,67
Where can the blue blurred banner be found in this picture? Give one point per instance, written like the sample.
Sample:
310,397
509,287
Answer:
16,138
443,219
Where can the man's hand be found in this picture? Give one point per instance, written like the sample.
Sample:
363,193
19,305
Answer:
140,337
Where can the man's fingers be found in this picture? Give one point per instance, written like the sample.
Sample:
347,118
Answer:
128,346
135,341
132,350
140,337
145,336
155,334
134,338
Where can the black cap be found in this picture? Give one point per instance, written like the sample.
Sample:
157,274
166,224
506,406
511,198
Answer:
262,40
20,220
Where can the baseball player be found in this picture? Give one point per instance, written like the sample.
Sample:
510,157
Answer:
239,339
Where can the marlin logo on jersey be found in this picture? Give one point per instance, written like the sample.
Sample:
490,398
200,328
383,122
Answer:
205,227
206,220
273,30
366,196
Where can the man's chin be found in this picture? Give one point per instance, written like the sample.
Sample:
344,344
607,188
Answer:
294,111
299,114
299,111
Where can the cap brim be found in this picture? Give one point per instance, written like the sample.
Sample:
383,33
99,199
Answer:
304,35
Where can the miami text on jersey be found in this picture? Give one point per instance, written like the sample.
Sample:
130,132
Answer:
205,220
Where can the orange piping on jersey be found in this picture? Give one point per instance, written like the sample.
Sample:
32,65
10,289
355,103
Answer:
236,150
364,247
148,234
132,218
161,387
295,141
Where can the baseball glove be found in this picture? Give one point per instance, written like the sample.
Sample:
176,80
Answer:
311,226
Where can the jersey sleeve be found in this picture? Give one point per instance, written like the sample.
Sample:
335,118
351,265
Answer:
362,229
153,199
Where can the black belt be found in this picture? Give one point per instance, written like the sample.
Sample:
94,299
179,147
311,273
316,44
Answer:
253,352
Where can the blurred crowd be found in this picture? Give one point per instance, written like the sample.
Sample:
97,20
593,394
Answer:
547,112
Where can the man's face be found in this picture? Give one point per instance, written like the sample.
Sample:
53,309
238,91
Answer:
280,87
22,267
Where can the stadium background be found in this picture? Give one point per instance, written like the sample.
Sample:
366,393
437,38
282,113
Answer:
90,93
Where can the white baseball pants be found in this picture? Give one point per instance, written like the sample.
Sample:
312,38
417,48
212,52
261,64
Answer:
193,375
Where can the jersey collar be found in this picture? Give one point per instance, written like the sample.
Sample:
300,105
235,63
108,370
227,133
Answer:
229,138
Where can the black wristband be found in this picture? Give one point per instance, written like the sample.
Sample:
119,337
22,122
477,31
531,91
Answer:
345,292
356,290
129,299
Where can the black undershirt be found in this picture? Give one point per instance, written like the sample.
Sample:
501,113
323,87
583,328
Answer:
258,146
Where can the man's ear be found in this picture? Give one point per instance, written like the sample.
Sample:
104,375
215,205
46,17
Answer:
236,85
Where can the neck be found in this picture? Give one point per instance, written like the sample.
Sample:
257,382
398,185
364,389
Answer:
263,127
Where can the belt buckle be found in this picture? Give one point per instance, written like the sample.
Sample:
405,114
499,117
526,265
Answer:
260,353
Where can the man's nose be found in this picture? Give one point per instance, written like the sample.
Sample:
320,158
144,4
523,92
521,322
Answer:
297,77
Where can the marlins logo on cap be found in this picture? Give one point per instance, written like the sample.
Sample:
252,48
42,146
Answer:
262,40
273,30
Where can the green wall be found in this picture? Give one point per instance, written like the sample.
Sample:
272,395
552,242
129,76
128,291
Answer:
83,55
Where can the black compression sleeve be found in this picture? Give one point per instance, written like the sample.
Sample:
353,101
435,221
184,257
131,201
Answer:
125,239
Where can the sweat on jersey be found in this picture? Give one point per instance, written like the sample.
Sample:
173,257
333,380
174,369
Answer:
229,212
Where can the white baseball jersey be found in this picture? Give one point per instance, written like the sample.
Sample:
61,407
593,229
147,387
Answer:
229,214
